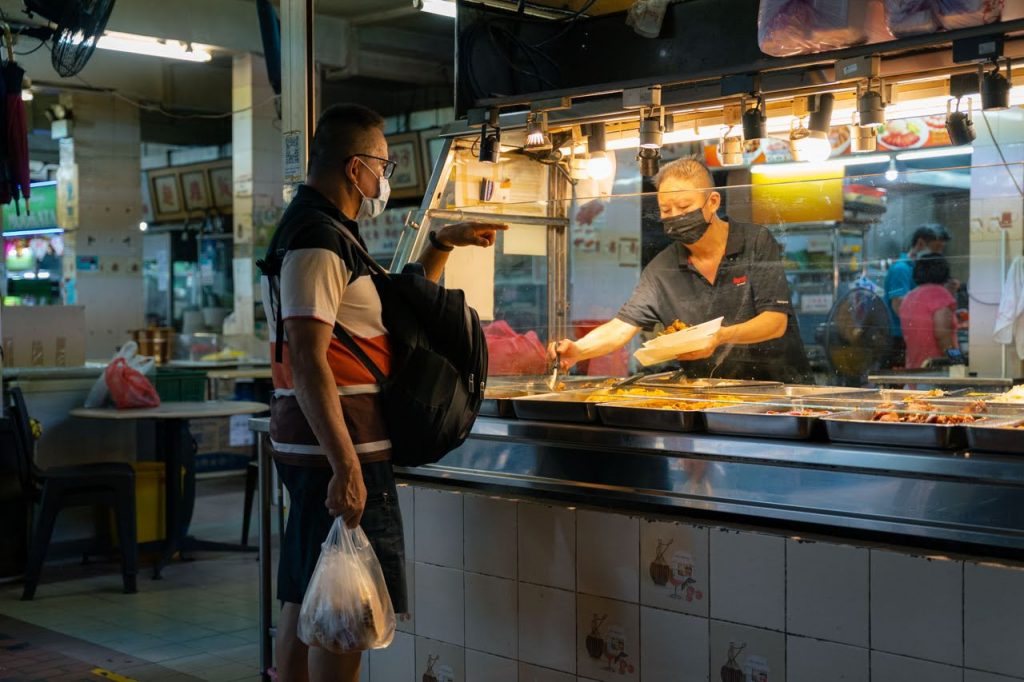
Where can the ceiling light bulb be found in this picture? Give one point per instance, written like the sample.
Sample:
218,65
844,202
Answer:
537,131
809,145
143,226
26,95
871,108
599,166
892,173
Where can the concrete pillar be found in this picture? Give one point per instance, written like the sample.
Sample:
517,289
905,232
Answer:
994,198
107,147
256,168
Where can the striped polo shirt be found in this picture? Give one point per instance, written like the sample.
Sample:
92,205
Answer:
322,278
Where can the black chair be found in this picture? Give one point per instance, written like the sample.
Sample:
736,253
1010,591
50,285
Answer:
107,484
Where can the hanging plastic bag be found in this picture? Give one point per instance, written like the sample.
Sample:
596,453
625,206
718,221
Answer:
347,606
911,17
99,395
967,13
129,387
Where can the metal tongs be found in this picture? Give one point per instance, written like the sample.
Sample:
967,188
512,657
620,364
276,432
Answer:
555,369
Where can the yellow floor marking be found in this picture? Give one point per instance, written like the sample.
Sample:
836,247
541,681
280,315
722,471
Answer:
110,675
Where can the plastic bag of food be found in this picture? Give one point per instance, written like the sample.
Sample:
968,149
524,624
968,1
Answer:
911,17
99,395
514,354
966,13
129,387
790,27
347,606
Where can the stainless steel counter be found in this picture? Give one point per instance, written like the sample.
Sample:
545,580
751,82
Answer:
970,502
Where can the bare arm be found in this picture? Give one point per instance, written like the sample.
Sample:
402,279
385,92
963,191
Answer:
433,260
609,336
308,340
762,327
944,326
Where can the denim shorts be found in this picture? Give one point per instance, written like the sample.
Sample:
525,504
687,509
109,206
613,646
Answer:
309,523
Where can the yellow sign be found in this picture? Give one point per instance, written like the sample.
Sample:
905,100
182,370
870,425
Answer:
797,193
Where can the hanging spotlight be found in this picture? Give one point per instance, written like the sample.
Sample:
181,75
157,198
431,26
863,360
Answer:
730,149
959,124
862,138
599,164
995,88
870,106
537,137
892,172
755,119
811,143
490,140
651,135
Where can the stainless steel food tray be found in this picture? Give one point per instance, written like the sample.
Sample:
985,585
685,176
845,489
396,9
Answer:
997,437
632,414
857,427
899,395
567,406
700,385
796,391
752,420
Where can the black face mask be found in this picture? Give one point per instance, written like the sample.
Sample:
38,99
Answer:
687,228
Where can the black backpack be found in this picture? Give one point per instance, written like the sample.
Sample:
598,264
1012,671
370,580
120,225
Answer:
438,359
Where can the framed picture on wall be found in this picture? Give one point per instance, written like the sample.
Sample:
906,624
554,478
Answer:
430,149
407,180
222,186
167,201
196,190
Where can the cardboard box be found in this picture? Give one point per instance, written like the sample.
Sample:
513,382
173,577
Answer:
43,336
206,433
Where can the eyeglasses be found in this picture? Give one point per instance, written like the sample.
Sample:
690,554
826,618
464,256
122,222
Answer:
389,165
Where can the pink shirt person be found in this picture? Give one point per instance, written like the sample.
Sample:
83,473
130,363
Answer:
918,319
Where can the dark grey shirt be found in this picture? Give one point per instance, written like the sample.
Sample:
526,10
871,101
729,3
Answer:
750,280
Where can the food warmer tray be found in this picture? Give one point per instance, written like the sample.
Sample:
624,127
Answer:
567,406
857,427
632,414
702,385
797,391
997,437
752,420
899,395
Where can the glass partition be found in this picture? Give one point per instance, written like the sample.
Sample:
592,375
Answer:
812,267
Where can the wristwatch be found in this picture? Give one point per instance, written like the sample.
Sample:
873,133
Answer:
436,243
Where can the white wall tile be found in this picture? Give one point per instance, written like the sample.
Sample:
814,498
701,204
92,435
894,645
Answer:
445,662
891,668
481,667
440,603
760,652
993,622
395,663
608,555
438,524
492,623
547,627
917,606
607,639
533,673
407,505
547,545
490,535
678,579
406,622
827,591
674,647
812,660
748,578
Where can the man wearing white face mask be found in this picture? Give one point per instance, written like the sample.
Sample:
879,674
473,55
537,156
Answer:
327,433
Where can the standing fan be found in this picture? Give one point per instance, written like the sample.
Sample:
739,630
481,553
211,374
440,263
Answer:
858,335
80,24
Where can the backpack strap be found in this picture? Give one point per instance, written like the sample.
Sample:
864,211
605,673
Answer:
271,267
374,266
346,340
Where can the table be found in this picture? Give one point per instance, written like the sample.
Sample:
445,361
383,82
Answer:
175,448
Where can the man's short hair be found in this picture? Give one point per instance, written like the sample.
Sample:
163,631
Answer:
341,131
687,169
931,268
929,233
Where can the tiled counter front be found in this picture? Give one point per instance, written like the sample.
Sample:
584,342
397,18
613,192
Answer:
507,590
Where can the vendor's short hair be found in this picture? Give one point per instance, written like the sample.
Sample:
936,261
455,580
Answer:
688,169
341,131
931,268
929,233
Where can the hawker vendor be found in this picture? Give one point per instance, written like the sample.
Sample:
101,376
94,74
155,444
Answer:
715,268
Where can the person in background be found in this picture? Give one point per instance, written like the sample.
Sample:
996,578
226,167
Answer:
327,429
928,312
899,280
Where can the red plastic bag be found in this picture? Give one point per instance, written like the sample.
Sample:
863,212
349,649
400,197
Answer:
514,354
129,387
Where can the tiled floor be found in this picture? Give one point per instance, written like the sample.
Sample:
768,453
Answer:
200,620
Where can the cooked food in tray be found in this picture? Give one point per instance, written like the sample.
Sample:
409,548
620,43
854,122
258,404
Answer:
1014,395
921,412
800,412
676,326
684,405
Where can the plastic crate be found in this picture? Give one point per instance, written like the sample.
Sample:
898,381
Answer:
180,385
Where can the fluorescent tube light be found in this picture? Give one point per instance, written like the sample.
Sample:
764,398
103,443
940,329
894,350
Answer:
153,47
33,232
933,153
444,8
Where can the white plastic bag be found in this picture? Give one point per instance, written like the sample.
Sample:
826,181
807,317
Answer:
99,394
967,13
347,606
